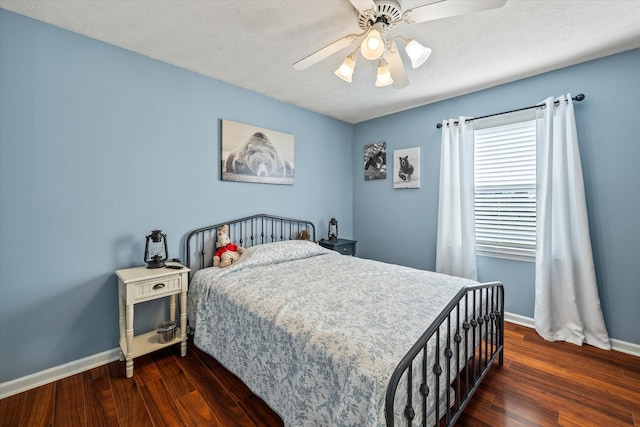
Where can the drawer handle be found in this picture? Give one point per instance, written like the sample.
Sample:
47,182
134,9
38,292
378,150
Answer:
158,286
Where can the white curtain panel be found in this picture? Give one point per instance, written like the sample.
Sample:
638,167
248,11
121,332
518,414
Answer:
567,305
456,241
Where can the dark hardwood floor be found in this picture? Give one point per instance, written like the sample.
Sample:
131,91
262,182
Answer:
540,384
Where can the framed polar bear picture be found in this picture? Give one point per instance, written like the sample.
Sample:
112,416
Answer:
254,154
406,168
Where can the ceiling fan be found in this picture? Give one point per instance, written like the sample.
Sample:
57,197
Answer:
375,18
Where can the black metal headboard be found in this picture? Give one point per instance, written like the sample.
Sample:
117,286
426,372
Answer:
245,232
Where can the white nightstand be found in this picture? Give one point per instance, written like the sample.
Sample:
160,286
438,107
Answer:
141,284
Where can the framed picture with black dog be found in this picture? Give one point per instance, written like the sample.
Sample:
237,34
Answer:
254,154
406,168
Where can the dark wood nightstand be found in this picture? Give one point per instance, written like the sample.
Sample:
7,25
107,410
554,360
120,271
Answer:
344,246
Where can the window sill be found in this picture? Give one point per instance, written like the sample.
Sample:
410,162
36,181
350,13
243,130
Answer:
512,257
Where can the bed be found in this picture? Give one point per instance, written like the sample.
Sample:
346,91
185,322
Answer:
333,340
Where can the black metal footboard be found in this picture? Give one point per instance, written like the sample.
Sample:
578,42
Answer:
435,380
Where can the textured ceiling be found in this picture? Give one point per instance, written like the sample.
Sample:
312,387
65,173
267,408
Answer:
253,44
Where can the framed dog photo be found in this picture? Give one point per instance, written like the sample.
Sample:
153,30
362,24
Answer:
375,161
406,168
254,154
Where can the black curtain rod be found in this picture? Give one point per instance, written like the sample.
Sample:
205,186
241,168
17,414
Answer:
578,97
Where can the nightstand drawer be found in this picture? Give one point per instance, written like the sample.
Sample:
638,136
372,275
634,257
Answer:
345,250
157,287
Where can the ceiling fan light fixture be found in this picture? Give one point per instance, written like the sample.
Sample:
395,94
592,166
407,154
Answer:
372,47
375,18
384,75
416,52
345,70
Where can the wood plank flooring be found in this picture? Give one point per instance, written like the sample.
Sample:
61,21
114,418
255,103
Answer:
540,384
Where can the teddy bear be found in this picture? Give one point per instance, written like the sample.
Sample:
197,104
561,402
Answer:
304,235
226,252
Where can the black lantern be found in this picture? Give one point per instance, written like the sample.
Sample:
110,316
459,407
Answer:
333,229
155,251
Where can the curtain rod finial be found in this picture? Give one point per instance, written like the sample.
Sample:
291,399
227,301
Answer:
579,97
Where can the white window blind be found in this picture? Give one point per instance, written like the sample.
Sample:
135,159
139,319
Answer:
505,190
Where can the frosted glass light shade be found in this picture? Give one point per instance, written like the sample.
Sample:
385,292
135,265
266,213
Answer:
345,70
372,47
417,53
384,76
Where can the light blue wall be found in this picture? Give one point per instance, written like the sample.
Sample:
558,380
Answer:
98,146
400,225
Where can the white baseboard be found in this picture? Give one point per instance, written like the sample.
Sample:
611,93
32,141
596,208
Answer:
625,347
56,373
617,345
518,320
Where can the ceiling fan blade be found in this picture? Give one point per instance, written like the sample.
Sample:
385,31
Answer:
363,4
396,68
326,51
448,8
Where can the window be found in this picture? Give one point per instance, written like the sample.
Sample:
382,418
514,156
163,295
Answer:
505,186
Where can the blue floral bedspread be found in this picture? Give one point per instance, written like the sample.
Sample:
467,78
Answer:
314,333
